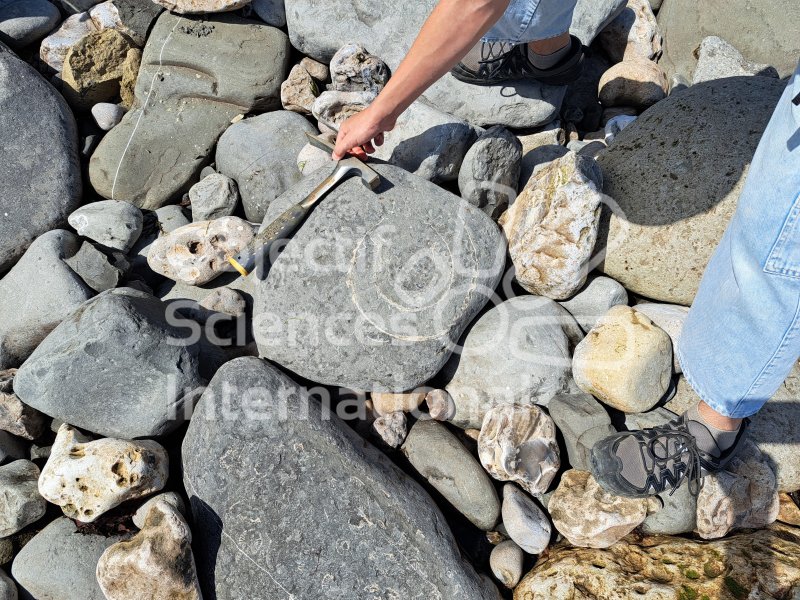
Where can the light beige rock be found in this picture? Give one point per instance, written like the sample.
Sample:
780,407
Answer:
299,91
316,69
743,496
518,443
640,83
633,34
788,512
392,428
172,498
670,318
130,74
310,158
87,478
717,59
763,564
625,361
93,68
552,227
385,403
590,517
55,46
526,524
189,7
106,16
506,563
20,502
15,417
198,252
157,563
440,405
225,300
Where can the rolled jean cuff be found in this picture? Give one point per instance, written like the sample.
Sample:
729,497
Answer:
532,20
735,410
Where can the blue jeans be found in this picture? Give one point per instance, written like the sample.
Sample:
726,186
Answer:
532,20
742,335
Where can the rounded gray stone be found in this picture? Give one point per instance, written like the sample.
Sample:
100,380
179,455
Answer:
60,563
110,368
37,294
675,191
22,504
594,299
367,527
260,155
375,287
23,22
453,471
112,223
272,12
40,173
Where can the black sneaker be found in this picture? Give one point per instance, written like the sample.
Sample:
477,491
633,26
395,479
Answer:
643,463
500,63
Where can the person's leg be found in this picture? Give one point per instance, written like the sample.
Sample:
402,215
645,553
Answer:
530,40
742,335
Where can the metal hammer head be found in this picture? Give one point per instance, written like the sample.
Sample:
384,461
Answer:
370,177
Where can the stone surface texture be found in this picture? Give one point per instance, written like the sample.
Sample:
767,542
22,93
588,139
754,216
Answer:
20,502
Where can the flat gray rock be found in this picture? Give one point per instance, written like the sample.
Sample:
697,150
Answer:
113,223
22,504
768,32
94,268
325,515
40,173
675,190
376,286
583,422
153,156
110,368
23,22
516,353
59,563
37,294
260,154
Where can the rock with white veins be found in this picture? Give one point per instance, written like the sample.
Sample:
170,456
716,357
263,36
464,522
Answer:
453,471
199,252
590,517
670,318
743,496
489,174
213,197
20,502
88,477
625,361
112,223
354,69
16,417
518,443
156,563
593,300
524,521
552,226
516,353
506,563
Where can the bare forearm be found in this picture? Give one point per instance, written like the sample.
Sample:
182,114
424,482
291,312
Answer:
450,31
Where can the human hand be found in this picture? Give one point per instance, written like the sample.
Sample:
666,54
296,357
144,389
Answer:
359,134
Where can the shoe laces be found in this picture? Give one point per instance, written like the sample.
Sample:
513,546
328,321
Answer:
672,444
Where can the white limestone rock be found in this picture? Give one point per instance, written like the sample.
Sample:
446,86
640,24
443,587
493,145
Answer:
87,478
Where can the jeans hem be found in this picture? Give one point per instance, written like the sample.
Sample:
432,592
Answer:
519,41
727,412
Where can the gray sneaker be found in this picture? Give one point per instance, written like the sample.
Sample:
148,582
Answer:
642,463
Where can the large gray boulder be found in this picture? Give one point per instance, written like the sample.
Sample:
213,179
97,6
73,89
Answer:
325,514
516,353
23,22
40,181
59,563
197,74
37,294
260,154
676,174
374,289
117,366
765,32
387,29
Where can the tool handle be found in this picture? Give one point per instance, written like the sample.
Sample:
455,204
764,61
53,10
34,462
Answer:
259,248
